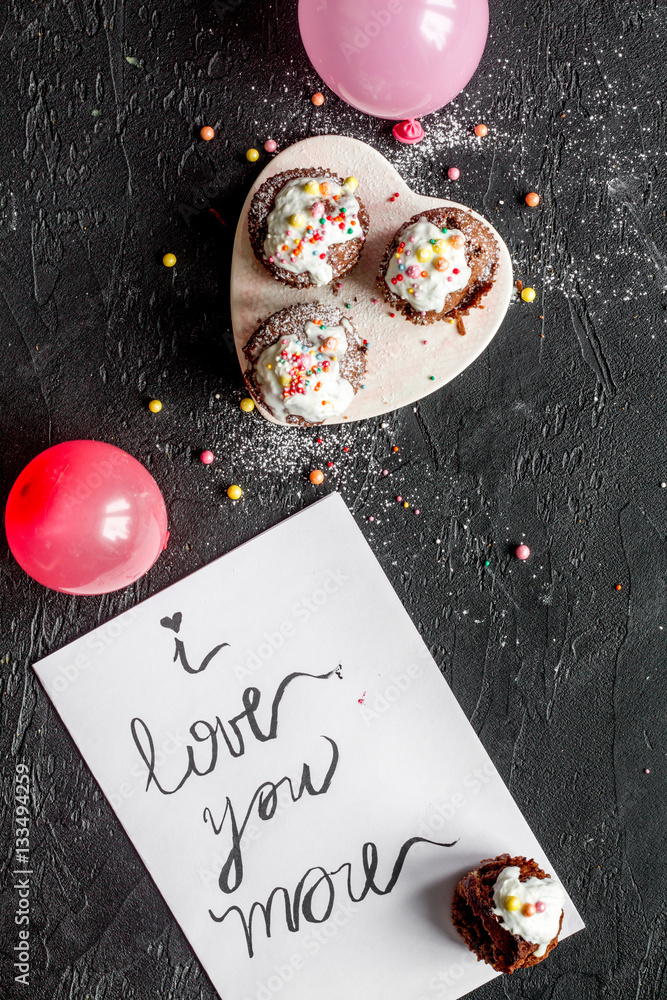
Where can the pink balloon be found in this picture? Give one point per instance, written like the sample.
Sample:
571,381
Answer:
395,58
85,517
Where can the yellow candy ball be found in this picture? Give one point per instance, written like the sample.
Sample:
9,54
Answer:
155,406
351,183
528,294
247,405
439,247
169,259
512,903
252,155
424,254
284,380
312,187
296,220
234,492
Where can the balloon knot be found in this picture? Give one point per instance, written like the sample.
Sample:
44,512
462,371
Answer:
409,131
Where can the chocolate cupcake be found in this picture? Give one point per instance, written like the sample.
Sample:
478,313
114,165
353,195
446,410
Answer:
306,364
439,265
307,227
509,912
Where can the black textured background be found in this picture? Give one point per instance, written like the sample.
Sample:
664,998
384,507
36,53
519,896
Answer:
556,434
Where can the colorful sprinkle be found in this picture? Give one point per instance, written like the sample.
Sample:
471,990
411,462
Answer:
619,586
207,133
316,477
528,909
155,406
247,404
234,492
540,906
207,457
318,99
532,199
512,903
481,130
169,259
528,294
453,173
522,552
270,145
252,155
351,183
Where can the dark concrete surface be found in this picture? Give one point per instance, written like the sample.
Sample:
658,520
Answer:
555,436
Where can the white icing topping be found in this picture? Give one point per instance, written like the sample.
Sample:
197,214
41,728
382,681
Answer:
425,283
540,928
311,214
300,374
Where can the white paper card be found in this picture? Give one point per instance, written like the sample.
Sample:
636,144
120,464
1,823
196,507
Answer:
272,732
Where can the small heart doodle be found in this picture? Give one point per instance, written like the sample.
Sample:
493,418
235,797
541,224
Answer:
174,623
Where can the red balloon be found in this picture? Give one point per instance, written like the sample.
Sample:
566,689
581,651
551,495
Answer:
85,517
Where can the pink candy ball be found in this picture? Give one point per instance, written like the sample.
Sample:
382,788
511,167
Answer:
207,457
453,173
540,906
522,552
270,145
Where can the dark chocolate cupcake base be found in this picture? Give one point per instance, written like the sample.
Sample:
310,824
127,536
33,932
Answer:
482,256
472,913
341,257
291,322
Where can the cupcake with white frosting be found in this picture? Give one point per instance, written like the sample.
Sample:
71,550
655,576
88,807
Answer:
439,265
305,364
509,912
307,227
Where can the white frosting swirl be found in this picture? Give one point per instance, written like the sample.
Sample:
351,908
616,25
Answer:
541,927
299,375
311,214
428,265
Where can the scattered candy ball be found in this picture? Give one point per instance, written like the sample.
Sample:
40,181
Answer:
512,903
155,406
522,552
234,492
532,199
540,906
207,133
207,457
453,173
247,404
169,259
270,145
481,130
619,586
316,477
252,155
528,294
318,99
351,183
528,909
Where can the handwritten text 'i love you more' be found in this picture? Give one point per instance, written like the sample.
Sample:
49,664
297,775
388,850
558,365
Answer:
314,896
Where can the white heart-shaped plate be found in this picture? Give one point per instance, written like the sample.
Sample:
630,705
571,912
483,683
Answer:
400,364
